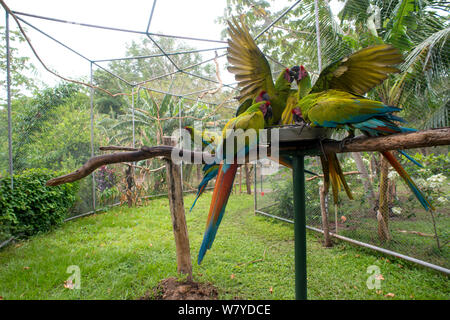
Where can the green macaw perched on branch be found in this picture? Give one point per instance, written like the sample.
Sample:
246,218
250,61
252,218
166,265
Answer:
205,137
251,119
357,73
339,109
209,172
252,72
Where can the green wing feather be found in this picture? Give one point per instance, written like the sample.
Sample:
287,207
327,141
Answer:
248,64
337,107
291,103
244,106
360,71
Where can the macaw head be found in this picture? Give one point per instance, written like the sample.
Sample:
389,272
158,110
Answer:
288,75
298,73
268,111
265,108
262,96
189,128
297,114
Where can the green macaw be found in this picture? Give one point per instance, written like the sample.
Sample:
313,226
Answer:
209,140
205,137
252,72
357,73
339,109
210,170
252,118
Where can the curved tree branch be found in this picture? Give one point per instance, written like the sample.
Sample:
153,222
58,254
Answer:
427,138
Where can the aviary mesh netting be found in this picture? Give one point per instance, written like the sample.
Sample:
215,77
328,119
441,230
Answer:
164,82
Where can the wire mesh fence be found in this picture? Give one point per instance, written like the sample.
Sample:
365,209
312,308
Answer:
163,85
407,228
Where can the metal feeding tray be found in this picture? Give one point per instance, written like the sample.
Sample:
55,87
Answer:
293,133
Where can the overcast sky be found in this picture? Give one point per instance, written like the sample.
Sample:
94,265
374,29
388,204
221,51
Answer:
194,18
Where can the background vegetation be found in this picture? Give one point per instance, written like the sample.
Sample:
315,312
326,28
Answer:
51,131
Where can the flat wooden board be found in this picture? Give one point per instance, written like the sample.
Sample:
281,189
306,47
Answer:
299,133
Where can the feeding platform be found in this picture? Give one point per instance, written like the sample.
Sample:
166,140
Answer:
293,133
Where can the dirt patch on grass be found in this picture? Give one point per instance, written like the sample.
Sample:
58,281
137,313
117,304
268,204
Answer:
174,289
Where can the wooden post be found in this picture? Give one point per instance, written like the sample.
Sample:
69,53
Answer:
383,209
176,203
248,180
323,192
240,180
130,181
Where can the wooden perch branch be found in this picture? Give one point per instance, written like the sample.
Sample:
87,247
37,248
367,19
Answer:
427,138
420,139
98,161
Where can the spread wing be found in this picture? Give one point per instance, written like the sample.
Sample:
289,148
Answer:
360,71
248,64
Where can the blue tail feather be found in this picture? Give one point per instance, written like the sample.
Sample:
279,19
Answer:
204,183
211,232
407,156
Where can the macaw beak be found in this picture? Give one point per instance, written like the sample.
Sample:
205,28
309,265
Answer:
287,75
295,73
268,114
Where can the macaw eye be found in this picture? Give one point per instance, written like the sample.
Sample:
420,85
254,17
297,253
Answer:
266,97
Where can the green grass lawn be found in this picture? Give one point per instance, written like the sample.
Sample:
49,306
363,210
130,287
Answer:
125,252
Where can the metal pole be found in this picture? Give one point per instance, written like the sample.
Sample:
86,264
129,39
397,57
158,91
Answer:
151,16
132,113
277,19
299,227
92,138
160,54
8,99
254,191
117,29
180,104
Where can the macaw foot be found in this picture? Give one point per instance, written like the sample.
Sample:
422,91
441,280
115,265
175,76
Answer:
348,138
321,148
302,125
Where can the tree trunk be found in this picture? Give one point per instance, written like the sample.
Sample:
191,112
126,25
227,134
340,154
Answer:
248,178
176,203
383,209
240,180
374,165
180,231
368,188
323,192
129,179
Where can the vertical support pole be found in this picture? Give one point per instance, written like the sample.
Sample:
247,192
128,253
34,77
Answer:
299,227
151,15
92,138
180,105
319,48
132,114
262,177
254,191
8,99
336,222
